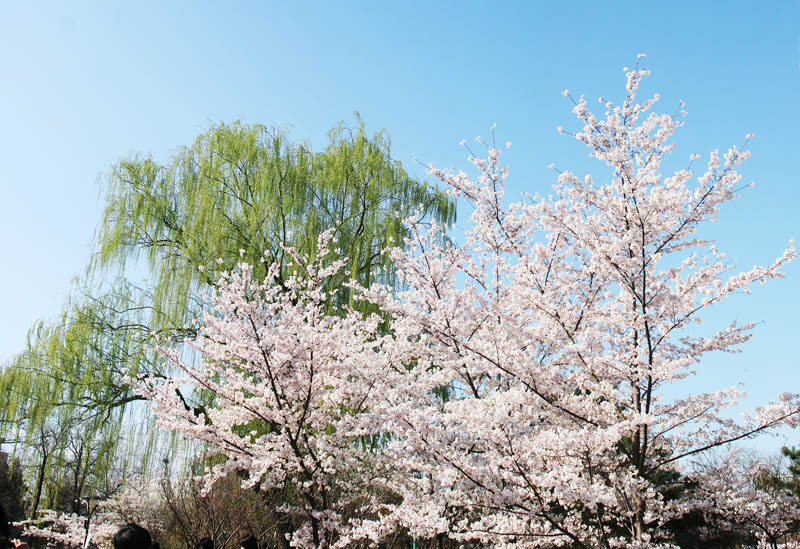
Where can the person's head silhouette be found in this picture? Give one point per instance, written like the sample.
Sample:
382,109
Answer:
132,536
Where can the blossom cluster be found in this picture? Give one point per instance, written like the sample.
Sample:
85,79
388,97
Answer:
740,494
135,502
70,530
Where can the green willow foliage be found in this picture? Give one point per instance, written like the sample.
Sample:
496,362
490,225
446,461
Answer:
246,191
66,400
239,192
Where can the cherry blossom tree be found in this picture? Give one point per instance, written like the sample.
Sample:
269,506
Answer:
292,389
522,391
529,400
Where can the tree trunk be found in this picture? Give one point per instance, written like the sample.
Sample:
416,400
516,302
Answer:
39,483
639,526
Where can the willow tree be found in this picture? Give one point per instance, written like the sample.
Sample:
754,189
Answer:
247,191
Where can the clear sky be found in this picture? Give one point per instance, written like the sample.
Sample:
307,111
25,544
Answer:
83,85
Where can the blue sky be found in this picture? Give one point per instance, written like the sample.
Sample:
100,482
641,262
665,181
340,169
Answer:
83,85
